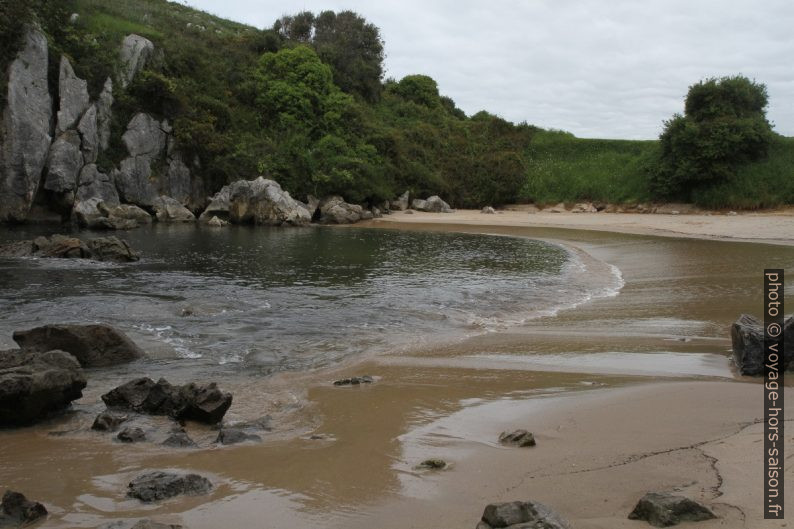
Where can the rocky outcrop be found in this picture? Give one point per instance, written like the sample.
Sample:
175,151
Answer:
26,128
259,201
747,337
584,207
103,114
18,511
665,510
89,135
155,486
92,345
34,385
61,246
401,204
520,438
146,140
64,163
433,204
73,93
521,515
135,52
169,210
196,402
334,210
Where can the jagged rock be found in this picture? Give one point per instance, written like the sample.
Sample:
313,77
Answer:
35,384
64,163
488,210
131,435
354,381
18,511
108,422
747,337
104,115
259,201
179,440
92,345
334,210
197,402
215,222
135,52
26,128
89,135
169,210
433,204
521,515
520,438
401,204
665,510
231,436
73,93
155,486
584,207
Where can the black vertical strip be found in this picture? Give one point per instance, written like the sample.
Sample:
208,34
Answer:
773,394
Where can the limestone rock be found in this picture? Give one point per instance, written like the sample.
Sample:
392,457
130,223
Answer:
433,204
488,210
169,210
26,128
259,201
35,384
401,204
334,210
73,93
92,345
104,114
64,163
89,135
135,52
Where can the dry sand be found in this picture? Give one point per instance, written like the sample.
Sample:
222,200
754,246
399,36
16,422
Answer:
772,227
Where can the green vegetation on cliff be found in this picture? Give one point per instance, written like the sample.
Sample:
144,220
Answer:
305,103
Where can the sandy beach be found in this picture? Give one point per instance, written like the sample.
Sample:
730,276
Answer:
625,394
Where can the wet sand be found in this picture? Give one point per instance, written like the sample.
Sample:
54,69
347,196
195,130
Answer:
625,394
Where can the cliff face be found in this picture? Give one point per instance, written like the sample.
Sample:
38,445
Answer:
51,142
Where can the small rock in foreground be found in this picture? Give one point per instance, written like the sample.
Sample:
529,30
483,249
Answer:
108,422
131,435
179,440
521,515
520,438
155,486
233,436
664,510
432,464
18,511
354,381
61,246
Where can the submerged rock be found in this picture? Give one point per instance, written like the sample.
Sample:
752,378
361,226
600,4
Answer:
93,345
108,422
231,436
18,511
61,246
520,438
196,402
155,486
215,222
521,515
665,510
36,384
179,440
747,337
131,435
354,381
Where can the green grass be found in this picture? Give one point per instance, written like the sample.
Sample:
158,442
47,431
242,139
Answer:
563,168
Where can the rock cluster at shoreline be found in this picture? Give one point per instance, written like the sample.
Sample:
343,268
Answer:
110,249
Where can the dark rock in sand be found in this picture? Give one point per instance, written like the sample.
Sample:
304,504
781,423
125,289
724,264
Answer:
432,464
354,381
61,246
108,422
140,524
232,436
521,515
155,486
34,385
18,511
665,510
197,402
520,438
179,440
747,337
131,435
93,345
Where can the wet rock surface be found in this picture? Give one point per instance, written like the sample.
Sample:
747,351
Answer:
521,515
159,485
665,510
519,438
18,511
60,246
354,381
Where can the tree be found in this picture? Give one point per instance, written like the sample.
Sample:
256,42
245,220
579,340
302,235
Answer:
723,127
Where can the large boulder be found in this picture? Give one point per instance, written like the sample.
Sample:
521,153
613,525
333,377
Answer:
433,204
401,204
64,163
196,402
93,345
35,384
18,511
111,249
334,210
521,515
26,128
155,486
259,201
73,93
135,52
665,510
167,209
747,337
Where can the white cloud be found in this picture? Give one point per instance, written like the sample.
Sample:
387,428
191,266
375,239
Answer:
597,68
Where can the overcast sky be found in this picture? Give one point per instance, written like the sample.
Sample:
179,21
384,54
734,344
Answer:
597,68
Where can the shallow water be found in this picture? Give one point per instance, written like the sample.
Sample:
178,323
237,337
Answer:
283,299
